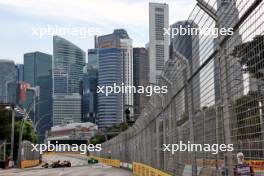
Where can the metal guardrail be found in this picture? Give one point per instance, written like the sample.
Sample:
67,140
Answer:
29,158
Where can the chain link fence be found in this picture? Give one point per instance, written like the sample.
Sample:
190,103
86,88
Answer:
27,152
4,153
215,96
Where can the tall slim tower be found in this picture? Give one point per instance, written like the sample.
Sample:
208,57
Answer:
89,95
158,43
19,73
115,66
140,77
111,107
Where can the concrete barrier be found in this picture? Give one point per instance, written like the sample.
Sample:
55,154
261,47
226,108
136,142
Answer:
110,162
145,170
28,163
137,168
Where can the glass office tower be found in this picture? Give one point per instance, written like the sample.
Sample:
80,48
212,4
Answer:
71,58
37,72
7,81
110,108
68,63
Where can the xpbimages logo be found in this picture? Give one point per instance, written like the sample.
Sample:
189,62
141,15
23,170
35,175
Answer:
189,147
148,90
188,30
49,30
82,148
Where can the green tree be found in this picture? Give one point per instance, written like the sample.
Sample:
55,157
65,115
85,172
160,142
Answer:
28,132
98,138
5,125
108,134
5,129
250,55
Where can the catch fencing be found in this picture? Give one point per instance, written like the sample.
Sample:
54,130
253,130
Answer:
215,96
29,157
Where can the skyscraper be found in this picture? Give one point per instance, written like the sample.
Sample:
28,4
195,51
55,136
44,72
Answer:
7,81
89,95
68,63
20,73
122,72
127,58
111,107
71,58
158,43
140,77
93,57
89,86
187,46
38,72
112,40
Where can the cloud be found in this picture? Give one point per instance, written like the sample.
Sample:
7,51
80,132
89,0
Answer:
110,14
100,12
131,15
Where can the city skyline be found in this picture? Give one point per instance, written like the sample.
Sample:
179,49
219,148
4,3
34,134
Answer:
30,15
140,86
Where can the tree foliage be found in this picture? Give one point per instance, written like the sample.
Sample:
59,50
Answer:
109,133
98,138
5,130
250,55
6,124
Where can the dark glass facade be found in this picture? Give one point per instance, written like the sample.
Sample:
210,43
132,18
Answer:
37,72
140,77
89,95
188,46
19,73
93,57
7,81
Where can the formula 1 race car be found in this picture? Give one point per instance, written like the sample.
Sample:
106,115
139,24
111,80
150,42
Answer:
92,161
57,164
45,165
61,164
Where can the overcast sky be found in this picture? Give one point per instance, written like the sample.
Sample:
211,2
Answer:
20,18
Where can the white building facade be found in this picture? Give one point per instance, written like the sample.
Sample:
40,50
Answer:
158,42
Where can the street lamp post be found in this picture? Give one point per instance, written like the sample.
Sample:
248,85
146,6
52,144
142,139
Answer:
22,127
12,108
203,115
36,95
12,136
35,125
